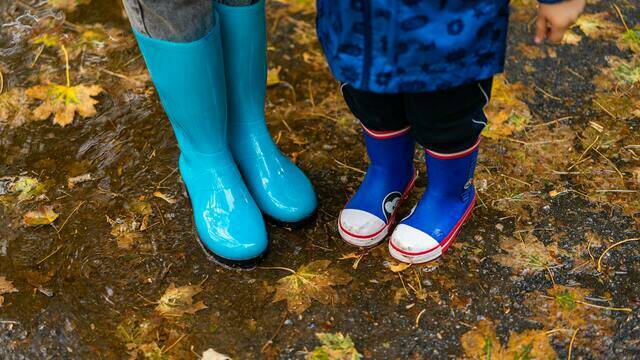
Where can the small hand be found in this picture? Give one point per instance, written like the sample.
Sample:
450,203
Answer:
555,19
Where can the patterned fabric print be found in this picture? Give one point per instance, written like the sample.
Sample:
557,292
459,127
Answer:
409,46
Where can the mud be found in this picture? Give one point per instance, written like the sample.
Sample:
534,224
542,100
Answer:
93,287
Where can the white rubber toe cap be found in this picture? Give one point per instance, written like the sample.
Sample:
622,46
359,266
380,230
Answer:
361,228
412,245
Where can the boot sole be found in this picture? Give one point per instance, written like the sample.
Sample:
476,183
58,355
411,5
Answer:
294,225
243,265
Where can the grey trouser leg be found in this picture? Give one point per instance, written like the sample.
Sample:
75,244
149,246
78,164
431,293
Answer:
175,20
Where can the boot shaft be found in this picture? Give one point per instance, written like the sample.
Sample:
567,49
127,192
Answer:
451,175
244,42
190,81
391,150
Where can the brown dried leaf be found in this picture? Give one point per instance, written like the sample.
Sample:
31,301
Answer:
6,287
528,256
311,282
482,343
44,215
13,108
178,301
64,101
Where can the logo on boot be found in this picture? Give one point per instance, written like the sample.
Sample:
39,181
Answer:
390,203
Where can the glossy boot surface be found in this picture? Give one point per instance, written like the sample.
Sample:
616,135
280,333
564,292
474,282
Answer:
446,204
189,78
279,187
367,217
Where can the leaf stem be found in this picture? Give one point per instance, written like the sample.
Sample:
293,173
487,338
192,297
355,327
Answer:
66,64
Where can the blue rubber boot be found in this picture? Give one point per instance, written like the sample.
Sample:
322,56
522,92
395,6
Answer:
371,212
279,187
189,78
436,220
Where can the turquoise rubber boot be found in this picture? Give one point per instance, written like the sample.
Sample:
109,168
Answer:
189,78
280,188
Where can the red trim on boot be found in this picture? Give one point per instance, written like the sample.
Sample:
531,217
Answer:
453,155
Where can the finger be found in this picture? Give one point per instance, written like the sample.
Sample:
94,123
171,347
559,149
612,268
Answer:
557,33
541,29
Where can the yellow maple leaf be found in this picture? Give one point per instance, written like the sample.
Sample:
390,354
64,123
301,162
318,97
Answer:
596,26
67,5
506,111
64,101
273,76
177,301
6,287
334,346
44,215
311,282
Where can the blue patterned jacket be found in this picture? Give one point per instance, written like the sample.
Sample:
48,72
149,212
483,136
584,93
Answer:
394,46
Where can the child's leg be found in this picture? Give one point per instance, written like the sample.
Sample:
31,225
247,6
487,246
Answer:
448,124
366,219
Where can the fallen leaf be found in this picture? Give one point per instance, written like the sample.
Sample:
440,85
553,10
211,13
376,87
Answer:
528,256
44,215
164,197
531,51
334,347
21,188
6,287
67,5
508,113
311,282
483,343
564,307
126,233
597,26
211,354
273,76
178,301
64,101
399,267
630,40
14,109
73,181
571,38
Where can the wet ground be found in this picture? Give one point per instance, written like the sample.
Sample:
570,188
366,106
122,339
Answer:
553,199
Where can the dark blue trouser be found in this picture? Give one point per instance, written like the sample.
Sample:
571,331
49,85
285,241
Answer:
444,121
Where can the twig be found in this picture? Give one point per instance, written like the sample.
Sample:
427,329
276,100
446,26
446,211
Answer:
603,307
550,122
610,162
604,108
621,17
584,153
547,94
174,344
514,179
166,177
1,82
67,219
50,255
270,342
616,191
573,338
419,315
402,281
276,268
599,266
349,167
